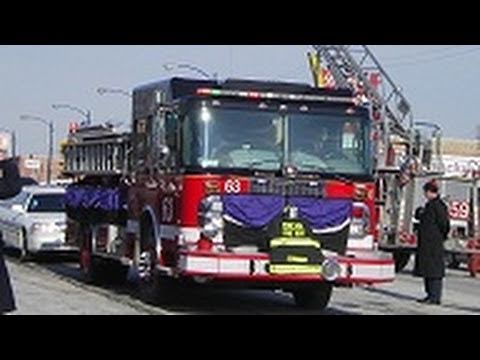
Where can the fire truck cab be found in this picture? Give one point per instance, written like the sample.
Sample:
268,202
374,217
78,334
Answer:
249,183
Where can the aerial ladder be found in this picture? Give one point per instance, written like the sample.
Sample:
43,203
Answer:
399,153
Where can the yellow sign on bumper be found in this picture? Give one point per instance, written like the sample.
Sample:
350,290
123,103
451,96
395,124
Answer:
289,269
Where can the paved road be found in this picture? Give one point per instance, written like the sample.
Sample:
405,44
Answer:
39,292
52,287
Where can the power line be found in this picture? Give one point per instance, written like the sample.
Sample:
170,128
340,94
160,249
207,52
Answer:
434,59
422,53
455,54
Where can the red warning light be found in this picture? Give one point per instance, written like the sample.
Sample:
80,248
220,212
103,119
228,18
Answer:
73,127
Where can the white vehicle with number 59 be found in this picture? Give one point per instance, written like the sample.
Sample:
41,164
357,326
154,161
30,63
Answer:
34,221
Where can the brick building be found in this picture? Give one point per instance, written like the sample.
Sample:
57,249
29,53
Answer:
461,157
35,167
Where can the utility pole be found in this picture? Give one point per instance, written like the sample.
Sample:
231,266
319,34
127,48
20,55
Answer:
14,144
475,193
478,138
51,131
50,152
13,139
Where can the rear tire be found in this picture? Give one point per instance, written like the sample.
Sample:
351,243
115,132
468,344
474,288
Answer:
115,272
88,263
474,265
452,262
93,273
316,298
97,270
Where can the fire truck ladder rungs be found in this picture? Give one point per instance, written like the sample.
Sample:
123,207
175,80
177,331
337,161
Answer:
351,66
356,62
100,156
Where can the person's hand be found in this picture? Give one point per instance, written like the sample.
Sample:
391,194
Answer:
419,212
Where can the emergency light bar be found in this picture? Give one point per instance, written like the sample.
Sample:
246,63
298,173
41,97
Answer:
272,96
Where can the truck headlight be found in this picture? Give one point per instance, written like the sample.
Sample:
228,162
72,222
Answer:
357,229
211,216
210,231
331,270
360,221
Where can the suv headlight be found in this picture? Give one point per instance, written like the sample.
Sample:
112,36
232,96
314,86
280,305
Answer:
44,227
61,225
211,216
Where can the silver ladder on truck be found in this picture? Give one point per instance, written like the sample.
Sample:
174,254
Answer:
354,67
98,150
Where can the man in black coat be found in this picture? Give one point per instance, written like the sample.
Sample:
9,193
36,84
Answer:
9,187
432,233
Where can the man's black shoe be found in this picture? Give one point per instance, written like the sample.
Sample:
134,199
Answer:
424,301
434,302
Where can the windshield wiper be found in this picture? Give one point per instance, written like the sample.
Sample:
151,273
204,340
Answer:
314,167
257,163
326,171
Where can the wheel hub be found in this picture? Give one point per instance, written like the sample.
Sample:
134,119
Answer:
145,266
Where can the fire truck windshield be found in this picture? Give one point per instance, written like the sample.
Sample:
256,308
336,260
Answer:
254,138
230,138
330,143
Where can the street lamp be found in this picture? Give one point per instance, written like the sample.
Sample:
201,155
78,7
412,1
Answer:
85,113
51,130
173,66
103,91
428,125
14,140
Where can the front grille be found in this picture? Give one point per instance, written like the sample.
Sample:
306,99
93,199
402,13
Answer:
285,187
255,219
237,236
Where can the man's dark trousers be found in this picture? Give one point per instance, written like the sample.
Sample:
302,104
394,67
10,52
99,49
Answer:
433,287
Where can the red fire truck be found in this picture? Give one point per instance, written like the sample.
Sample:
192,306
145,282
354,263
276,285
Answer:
246,183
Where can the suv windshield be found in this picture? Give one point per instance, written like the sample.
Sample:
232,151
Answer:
17,200
47,203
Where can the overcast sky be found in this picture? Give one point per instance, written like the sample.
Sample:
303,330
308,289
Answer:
441,82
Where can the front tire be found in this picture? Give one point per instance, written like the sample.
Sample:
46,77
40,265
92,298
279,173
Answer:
316,298
150,283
